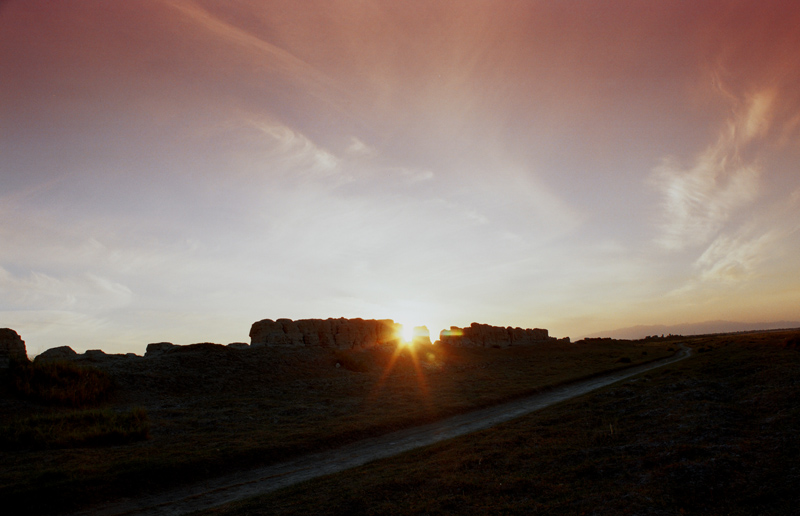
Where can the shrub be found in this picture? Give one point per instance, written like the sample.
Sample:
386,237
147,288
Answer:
60,383
91,427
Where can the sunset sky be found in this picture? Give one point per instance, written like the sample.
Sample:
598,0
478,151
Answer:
176,170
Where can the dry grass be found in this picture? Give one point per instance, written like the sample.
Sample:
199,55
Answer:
60,383
213,409
712,435
72,429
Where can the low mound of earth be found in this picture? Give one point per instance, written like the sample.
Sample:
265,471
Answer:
215,409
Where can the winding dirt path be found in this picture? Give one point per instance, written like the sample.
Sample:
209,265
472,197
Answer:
246,484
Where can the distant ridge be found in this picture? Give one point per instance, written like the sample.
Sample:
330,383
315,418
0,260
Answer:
702,328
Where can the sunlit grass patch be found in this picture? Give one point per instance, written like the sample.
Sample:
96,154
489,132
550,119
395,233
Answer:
73,429
60,383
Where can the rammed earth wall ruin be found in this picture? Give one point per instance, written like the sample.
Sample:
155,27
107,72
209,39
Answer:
327,333
484,335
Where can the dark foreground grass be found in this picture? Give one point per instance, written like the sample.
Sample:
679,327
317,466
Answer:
60,383
72,429
214,410
711,435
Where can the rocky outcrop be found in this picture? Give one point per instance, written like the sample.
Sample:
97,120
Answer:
98,356
484,335
12,348
59,353
92,356
326,333
158,348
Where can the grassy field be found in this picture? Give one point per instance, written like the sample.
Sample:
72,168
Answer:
211,409
75,429
59,383
712,435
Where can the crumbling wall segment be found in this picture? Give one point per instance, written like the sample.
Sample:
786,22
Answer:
12,348
327,333
487,336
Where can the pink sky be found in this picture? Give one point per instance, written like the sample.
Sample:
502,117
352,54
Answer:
176,170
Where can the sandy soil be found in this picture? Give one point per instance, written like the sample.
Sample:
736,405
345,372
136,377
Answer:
246,484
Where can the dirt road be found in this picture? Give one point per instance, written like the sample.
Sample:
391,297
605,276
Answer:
245,484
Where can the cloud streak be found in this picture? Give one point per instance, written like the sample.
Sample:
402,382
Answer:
734,259
700,199
274,57
86,293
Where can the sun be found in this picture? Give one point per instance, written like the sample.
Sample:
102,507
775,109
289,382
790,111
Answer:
407,333
412,342
410,335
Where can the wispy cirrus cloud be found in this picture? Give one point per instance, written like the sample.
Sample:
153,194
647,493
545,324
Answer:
734,258
295,151
289,153
699,200
86,292
271,55
358,149
740,255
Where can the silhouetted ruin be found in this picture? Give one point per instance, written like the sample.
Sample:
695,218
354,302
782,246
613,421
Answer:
326,333
338,333
484,335
12,347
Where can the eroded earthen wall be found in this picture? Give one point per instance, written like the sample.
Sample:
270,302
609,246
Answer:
328,333
484,335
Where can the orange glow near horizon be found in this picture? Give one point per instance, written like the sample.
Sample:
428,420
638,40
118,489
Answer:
409,334
421,380
407,344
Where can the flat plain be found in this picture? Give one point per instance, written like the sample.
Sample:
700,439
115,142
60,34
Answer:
714,434
212,409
